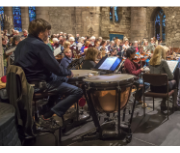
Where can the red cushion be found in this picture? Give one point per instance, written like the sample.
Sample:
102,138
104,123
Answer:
3,79
82,102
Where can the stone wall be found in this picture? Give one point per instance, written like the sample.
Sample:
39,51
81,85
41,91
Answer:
82,20
172,24
123,27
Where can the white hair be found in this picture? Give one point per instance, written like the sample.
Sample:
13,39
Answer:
112,42
135,42
61,32
71,39
82,38
55,40
100,38
92,38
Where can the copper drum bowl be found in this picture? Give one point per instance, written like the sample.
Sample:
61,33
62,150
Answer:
104,91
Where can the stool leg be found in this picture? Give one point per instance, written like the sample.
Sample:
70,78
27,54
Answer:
168,107
77,111
153,103
36,113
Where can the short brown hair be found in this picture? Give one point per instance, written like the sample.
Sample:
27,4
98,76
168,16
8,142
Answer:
87,43
38,25
91,54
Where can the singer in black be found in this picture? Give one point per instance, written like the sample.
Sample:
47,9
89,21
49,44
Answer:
39,63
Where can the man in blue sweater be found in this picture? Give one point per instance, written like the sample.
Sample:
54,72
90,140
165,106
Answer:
39,63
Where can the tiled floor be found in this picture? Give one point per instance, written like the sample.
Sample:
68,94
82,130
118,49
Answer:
153,129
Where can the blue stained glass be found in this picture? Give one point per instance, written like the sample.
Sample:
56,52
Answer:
157,27
116,14
163,27
17,18
2,17
111,14
32,13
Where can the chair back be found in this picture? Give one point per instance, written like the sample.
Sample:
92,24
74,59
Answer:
156,79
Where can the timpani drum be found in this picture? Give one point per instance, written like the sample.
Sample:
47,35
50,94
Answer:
105,91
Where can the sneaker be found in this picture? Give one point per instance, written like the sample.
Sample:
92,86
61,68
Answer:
45,125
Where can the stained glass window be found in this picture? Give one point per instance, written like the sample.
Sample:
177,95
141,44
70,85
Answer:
32,13
111,14
163,27
160,25
157,27
17,18
116,16
1,17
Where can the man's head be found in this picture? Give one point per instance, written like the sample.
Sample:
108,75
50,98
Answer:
77,35
25,33
114,52
92,39
5,32
16,40
55,40
39,28
4,41
16,32
60,38
68,52
71,40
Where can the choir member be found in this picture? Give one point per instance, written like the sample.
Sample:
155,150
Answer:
90,58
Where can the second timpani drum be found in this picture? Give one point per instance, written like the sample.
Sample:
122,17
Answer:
103,91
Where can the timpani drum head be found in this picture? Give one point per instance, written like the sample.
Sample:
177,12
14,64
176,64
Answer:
83,73
105,99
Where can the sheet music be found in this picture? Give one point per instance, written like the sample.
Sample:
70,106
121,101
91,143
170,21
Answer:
10,50
107,64
172,65
57,51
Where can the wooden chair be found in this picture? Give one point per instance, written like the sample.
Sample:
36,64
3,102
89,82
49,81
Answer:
159,80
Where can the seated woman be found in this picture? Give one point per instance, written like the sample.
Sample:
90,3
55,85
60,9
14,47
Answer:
134,68
67,59
158,65
89,62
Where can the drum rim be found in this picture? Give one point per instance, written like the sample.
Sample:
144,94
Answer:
110,81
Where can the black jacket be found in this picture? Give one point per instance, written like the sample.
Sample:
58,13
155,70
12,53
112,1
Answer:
88,65
37,60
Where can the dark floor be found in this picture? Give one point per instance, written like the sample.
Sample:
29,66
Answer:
153,129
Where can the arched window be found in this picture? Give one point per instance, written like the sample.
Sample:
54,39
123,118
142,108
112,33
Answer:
32,13
114,14
160,25
2,17
17,18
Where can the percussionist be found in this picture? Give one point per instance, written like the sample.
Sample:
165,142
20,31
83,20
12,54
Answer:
39,63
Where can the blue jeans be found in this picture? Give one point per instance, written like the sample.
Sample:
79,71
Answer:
5,70
58,86
146,86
